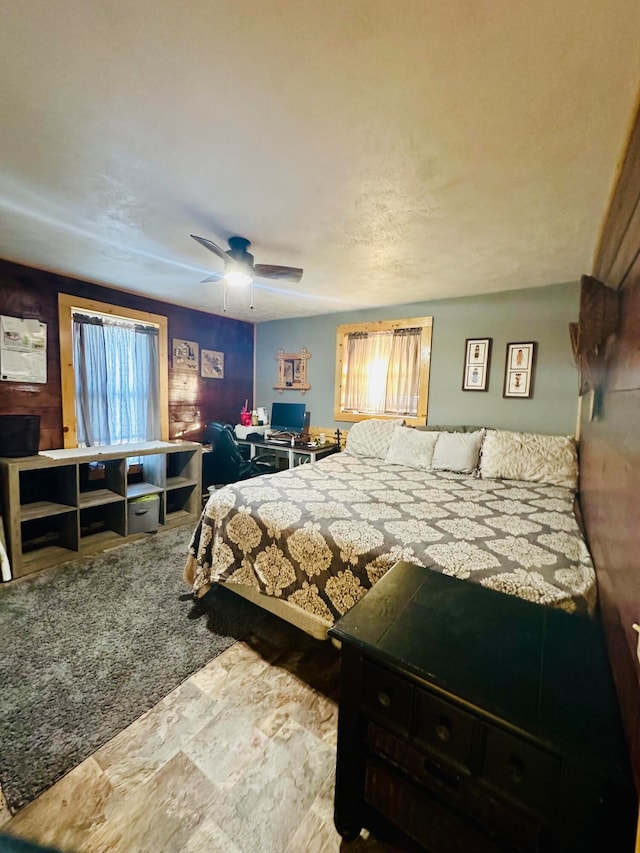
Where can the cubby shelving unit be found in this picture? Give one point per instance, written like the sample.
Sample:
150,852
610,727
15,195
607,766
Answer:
66,503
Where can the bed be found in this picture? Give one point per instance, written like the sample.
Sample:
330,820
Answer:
490,506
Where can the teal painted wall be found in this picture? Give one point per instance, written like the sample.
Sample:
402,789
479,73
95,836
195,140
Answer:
536,314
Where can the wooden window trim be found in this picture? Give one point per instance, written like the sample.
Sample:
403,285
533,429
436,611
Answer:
426,324
66,305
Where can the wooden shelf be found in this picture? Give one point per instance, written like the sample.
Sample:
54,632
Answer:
174,519
51,514
43,509
98,497
138,490
32,561
101,541
180,483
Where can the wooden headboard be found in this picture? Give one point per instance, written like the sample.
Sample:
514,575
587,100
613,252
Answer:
610,446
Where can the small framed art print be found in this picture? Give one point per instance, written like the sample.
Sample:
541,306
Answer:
518,370
185,355
212,364
477,355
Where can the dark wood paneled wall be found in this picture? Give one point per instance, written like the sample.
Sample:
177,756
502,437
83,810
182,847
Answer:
610,448
30,293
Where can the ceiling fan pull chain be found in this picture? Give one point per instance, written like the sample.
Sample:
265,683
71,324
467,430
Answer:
251,294
224,295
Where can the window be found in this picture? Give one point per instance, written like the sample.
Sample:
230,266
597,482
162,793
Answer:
382,370
114,373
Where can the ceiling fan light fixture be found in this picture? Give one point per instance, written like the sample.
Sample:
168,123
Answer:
239,268
237,277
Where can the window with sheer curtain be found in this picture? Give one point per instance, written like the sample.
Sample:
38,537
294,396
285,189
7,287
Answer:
382,370
114,377
116,366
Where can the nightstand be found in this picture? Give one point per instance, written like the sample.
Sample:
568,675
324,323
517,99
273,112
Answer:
475,721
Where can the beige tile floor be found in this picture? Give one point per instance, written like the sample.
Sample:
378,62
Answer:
239,758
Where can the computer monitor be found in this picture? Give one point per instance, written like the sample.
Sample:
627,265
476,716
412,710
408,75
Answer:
288,417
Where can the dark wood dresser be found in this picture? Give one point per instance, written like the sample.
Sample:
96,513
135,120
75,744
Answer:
475,721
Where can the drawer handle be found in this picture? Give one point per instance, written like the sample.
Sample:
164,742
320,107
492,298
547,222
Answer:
444,776
384,699
443,732
515,770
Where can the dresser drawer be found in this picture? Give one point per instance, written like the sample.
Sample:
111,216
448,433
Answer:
520,771
455,790
422,817
386,696
438,777
447,730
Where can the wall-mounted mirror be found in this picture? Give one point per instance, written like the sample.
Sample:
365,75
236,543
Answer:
292,371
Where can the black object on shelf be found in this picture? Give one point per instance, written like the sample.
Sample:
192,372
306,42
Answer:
19,435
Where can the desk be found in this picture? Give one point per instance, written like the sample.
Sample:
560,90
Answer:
297,455
243,431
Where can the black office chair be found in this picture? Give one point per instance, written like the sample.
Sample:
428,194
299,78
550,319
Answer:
225,463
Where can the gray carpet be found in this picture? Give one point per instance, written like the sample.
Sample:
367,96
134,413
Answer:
89,646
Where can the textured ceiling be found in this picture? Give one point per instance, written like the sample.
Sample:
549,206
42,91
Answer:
397,151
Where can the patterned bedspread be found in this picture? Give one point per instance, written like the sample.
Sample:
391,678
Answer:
320,535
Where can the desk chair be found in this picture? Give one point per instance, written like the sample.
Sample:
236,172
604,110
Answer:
225,462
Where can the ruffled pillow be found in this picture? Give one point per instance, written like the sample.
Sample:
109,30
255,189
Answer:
411,447
371,437
531,457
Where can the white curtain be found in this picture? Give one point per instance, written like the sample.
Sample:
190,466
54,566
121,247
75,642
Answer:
381,372
404,373
116,365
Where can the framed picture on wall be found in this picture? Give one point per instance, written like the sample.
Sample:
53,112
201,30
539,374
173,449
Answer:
212,364
477,357
518,370
185,355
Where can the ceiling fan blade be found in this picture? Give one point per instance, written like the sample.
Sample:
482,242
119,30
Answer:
211,247
215,277
272,271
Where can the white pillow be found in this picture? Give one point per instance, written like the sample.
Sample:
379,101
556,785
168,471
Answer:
530,456
371,437
411,447
457,451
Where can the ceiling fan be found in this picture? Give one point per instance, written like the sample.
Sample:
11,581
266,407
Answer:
239,267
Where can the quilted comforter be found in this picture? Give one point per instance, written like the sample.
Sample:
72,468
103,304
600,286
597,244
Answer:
320,535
